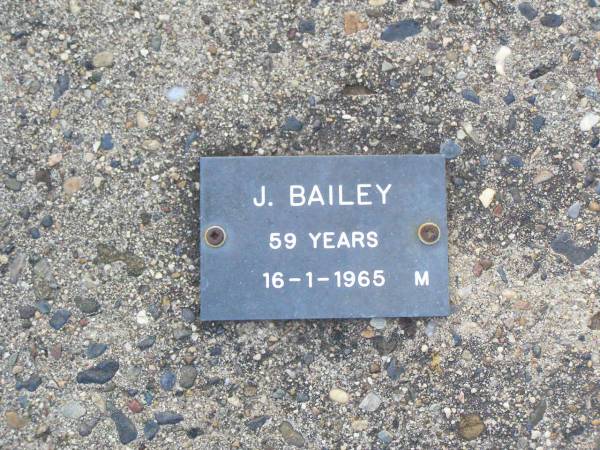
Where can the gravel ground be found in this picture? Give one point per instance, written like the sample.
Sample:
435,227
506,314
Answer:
106,107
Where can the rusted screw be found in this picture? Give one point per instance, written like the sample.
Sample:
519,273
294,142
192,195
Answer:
429,233
214,236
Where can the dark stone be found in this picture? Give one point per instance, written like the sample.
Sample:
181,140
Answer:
106,142
188,315
401,30
512,122
12,184
156,42
537,414
87,305
168,417
47,221
26,311
146,343
31,383
187,376
292,124
515,161
59,318
385,345
107,254
194,432
531,99
61,86
527,10
100,373
86,428
575,55
95,349
538,123
274,47
509,98
471,96
306,26
541,70
182,333
125,427
43,306
537,350
150,429
551,20
35,233
257,422
167,380
564,245
393,370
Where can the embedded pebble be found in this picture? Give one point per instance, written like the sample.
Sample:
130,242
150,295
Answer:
176,94
450,149
370,403
589,121
100,373
401,30
72,410
487,197
167,417
59,318
339,396
574,210
125,427
103,59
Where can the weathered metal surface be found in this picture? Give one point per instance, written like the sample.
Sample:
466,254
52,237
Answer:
349,247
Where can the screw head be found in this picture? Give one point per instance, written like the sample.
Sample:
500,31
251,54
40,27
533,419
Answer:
429,233
214,236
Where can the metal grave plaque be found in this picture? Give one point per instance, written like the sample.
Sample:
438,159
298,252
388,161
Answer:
310,237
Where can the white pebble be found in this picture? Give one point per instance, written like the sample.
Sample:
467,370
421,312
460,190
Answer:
487,196
500,58
176,93
142,318
589,121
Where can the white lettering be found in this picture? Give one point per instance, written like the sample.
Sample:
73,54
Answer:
383,192
297,192
360,193
421,280
315,239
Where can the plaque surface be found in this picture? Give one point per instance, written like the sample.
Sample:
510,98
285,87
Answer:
323,237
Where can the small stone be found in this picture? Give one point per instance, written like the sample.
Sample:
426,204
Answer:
14,420
15,267
551,20
306,26
34,233
537,414
150,429
541,70
61,86
141,120
72,185
500,59
86,428
100,373
12,184
542,176
156,42
370,403
26,311
59,318
257,422
538,123
386,66
135,406
574,210
54,159
450,149
188,315
359,425
564,245
515,161
471,96
470,427
176,94
401,30
290,435
527,11
385,437
594,206
187,376
487,196
167,380
377,2
182,333
47,221
274,47
95,349
168,417
509,98
353,23
102,59
125,427
292,124
106,142
56,351
589,121
377,323
146,343
595,322
72,410
87,305
339,396
31,383
393,370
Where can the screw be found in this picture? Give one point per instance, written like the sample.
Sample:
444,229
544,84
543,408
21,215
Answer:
214,236
429,233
